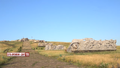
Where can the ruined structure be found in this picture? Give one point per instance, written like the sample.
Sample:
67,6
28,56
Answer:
89,44
41,41
4,41
24,39
42,44
54,47
32,40
48,46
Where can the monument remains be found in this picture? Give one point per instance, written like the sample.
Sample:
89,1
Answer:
89,44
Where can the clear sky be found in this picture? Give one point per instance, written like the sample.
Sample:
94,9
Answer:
60,20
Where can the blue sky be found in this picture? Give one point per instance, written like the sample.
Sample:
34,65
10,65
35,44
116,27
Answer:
60,20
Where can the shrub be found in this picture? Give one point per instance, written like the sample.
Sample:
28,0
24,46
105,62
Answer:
60,55
63,58
19,49
103,65
40,48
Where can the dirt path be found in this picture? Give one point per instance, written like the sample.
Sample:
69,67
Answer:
35,60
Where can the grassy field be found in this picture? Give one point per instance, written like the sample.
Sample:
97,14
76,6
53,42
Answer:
10,46
105,59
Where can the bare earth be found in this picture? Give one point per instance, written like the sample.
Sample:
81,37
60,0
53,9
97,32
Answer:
36,60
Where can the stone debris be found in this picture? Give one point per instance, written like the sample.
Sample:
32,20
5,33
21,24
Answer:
24,39
42,44
91,44
37,41
54,47
48,46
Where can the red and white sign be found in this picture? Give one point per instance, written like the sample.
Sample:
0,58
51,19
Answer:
24,54
27,54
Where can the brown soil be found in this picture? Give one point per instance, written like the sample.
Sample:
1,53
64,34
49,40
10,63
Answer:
36,60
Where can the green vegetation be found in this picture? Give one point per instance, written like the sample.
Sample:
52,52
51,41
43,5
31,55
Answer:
34,63
9,46
61,43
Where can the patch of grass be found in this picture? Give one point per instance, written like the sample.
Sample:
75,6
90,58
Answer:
34,45
103,65
51,53
5,60
88,59
61,43
91,60
31,42
10,46
40,48
33,48
20,49
34,63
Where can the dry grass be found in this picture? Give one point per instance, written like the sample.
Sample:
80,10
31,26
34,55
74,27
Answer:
51,53
91,60
86,59
34,45
11,46
110,58
4,47
61,43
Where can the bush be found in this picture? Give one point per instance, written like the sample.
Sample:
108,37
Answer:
33,48
63,58
19,49
5,60
103,65
60,55
40,48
